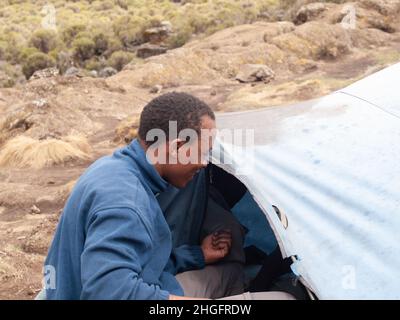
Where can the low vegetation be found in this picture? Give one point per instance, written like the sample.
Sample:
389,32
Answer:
26,152
35,34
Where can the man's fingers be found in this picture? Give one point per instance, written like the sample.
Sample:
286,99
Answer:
225,238
222,236
223,245
219,240
224,251
215,241
222,232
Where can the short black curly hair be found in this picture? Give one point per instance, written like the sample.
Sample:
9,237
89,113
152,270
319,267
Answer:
181,107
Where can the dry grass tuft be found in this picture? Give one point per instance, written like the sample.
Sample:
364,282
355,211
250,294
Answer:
23,151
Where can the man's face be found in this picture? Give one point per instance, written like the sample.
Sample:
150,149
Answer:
191,156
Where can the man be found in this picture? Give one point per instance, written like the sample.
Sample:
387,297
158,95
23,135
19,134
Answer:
112,241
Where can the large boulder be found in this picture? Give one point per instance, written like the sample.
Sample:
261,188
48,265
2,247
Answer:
255,72
147,50
309,12
158,34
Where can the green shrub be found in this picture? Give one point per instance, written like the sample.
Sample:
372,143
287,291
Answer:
64,61
54,53
44,40
70,32
103,5
9,75
95,63
83,48
129,30
119,59
122,3
100,43
25,53
35,62
14,43
113,45
179,38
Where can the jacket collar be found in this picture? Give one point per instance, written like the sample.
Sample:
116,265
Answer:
152,178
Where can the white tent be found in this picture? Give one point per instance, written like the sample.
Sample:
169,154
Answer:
332,166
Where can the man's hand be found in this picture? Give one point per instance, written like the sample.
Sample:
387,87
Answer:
216,246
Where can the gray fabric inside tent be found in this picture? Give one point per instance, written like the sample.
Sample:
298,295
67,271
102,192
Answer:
184,210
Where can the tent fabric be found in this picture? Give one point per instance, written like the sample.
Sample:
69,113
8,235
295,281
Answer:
331,165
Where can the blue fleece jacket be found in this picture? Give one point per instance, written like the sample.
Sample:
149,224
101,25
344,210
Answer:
112,241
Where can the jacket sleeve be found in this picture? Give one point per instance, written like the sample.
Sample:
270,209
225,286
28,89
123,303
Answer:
185,258
116,241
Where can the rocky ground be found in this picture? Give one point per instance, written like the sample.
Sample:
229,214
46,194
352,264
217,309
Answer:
248,66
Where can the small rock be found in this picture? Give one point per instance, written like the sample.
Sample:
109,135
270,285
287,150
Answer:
156,89
45,73
46,200
213,92
147,50
35,210
31,292
308,12
107,72
40,103
94,73
73,71
255,72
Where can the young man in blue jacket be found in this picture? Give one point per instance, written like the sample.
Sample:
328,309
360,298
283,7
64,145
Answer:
112,241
